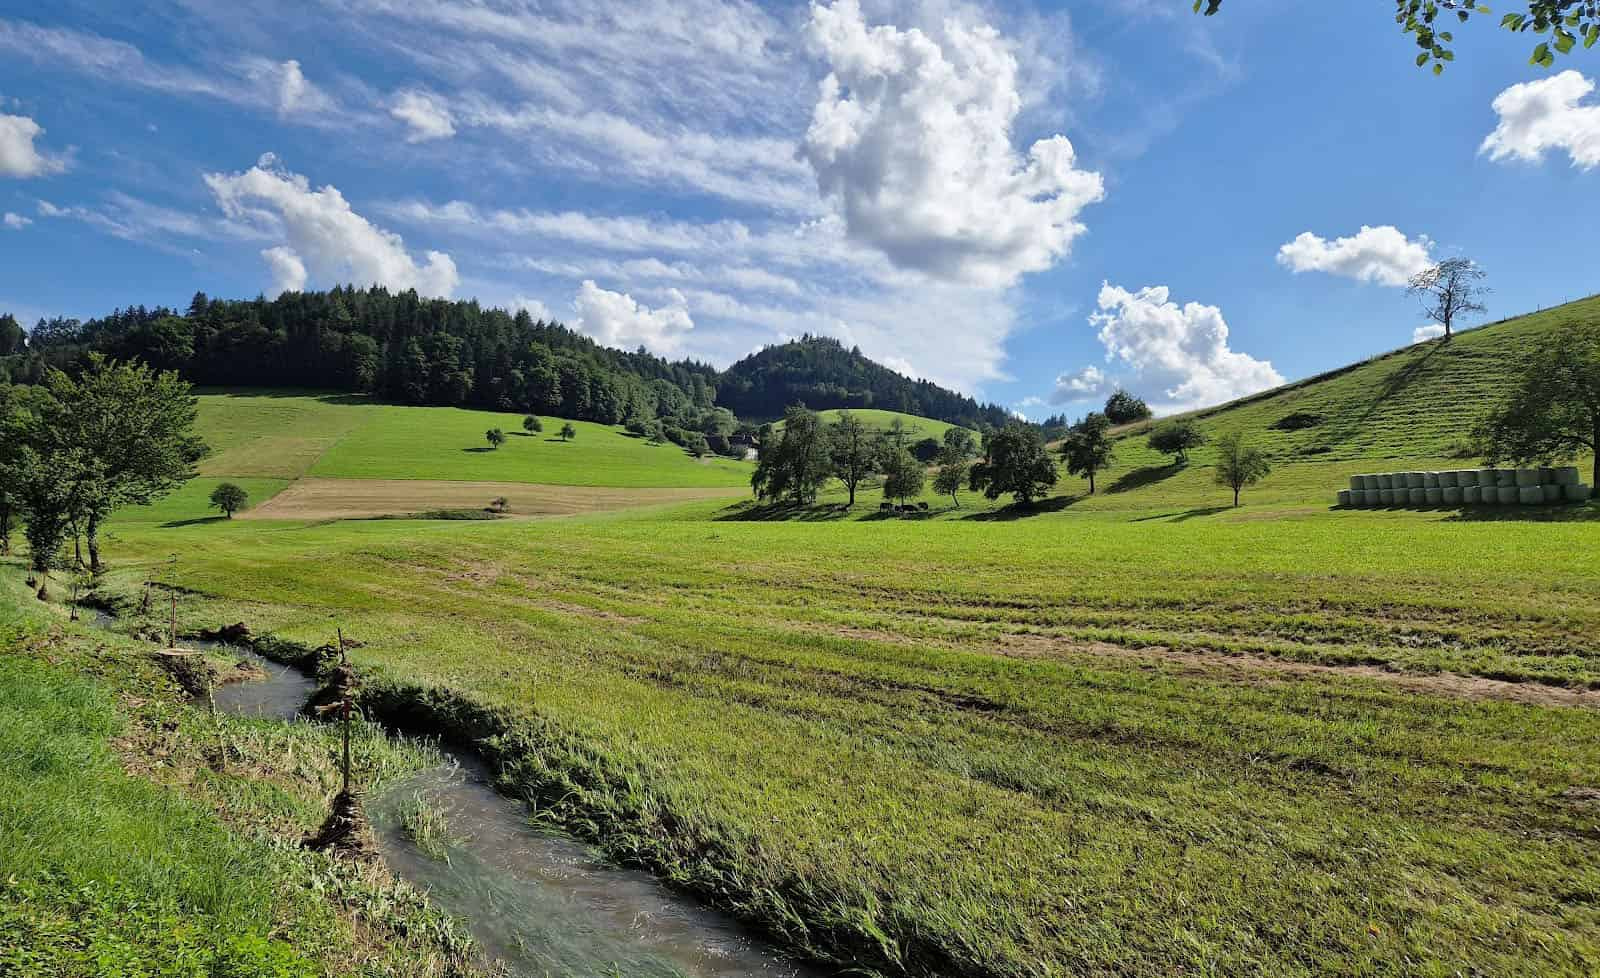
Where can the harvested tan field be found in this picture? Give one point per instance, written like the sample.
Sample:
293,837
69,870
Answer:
339,499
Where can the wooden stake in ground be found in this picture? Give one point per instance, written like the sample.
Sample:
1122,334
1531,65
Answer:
344,664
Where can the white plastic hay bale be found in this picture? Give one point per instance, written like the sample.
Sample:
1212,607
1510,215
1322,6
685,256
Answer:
1547,475
1505,477
1388,496
1467,477
1430,480
1358,482
1413,480
1435,495
1552,492
1506,495
1488,477
1567,475
1369,483
1417,497
1530,495
1447,480
1451,495
1575,494
1472,495
1344,496
1527,478
1386,481
1374,498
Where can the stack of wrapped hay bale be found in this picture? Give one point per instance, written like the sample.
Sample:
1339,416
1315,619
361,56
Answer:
1465,487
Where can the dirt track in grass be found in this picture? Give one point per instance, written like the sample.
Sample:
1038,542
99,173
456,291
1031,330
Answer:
1248,666
335,499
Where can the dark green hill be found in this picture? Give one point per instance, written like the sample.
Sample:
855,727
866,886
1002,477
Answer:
823,374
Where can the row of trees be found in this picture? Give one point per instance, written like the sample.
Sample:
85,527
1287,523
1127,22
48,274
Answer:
75,449
1014,460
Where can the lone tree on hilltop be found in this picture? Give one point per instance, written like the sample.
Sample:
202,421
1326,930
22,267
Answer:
1087,447
1015,462
496,437
1571,21
1176,438
229,498
568,432
1123,408
851,450
1239,465
1554,409
1449,289
532,425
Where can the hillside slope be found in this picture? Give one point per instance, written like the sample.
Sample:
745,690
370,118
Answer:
1418,402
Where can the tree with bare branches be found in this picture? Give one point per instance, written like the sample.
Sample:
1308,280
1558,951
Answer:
1448,290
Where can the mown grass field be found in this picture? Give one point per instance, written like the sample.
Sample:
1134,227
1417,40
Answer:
918,427
1062,745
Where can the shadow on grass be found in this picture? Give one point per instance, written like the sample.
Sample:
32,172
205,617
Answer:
484,448
1188,514
1149,475
1017,511
196,521
1570,513
784,513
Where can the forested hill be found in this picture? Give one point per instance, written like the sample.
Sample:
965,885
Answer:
394,344
821,374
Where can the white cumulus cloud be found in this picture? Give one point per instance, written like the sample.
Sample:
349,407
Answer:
533,307
1374,254
425,115
1086,383
288,271
18,156
1176,356
615,319
911,139
1544,115
1423,334
323,233
15,222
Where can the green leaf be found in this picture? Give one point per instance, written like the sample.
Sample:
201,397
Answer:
1594,35
1422,59
1564,41
1438,68
1540,55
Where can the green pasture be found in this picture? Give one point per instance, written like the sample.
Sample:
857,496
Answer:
288,435
1011,746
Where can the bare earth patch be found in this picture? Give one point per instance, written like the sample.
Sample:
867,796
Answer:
340,499
1210,664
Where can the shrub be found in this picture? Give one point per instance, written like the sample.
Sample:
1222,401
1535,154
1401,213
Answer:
1298,421
926,450
532,425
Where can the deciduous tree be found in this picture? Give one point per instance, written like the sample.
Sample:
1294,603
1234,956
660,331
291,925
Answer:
1239,465
1123,408
1016,462
851,450
229,497
1554,409
795,463
532,425
1175,438
1571,20
568,432
495,437
1087,448
1449,290
903,476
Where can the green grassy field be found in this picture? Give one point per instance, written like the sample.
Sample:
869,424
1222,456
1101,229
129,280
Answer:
1047,746
285,436
1138,733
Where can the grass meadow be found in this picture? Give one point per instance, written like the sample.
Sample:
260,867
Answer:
1260,742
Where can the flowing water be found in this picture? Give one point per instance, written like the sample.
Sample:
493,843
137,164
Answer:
533,897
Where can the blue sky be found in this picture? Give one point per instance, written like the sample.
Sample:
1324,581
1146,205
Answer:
1031,203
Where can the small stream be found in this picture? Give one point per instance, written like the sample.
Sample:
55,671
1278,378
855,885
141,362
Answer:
533,897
